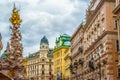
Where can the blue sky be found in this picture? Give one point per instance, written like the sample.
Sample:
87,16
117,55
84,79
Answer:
42,17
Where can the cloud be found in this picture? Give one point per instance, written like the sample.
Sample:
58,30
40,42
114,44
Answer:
42,17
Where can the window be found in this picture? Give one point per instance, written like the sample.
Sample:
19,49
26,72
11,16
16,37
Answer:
104,45
98,34
42,46
103,25
117,45
42,72
116,24
118,73
50,60
50,66
58,54
43,60
50,73
42,65
92,37
102,11
99,50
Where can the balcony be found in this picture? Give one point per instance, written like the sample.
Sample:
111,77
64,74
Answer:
117,7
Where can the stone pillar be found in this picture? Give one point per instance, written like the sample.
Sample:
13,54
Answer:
14,49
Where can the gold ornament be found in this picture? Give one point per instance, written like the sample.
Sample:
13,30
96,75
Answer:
15,18
11,73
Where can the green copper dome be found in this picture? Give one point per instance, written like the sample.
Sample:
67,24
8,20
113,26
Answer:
4,54
44,40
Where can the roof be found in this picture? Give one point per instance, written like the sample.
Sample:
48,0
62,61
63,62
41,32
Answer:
44,40
33,55
63,37
79,28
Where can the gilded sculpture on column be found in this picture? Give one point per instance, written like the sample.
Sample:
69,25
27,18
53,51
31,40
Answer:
12,64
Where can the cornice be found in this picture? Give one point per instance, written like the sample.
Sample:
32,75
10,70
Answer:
100,37
116,9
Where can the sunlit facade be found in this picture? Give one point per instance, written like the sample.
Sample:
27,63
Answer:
116,16
100,43
67,59
62,44
40,63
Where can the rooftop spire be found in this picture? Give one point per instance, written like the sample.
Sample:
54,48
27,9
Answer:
14,6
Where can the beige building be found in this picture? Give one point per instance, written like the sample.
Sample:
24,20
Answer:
116,16
67,59
25,66
59,52
77,52
99,43
40,63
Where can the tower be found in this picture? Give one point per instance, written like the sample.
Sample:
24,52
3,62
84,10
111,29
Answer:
44,44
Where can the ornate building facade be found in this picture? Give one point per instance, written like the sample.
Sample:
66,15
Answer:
99,41
40,63
67,59
25,66
77,52
116,16
62,44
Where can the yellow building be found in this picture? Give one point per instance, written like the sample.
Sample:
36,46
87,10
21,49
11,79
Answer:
40,63
25,66
116,16
62,44
67,64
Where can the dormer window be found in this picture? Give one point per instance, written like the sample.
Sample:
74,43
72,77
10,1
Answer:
42,46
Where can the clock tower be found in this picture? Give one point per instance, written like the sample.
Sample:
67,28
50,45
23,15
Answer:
44,44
